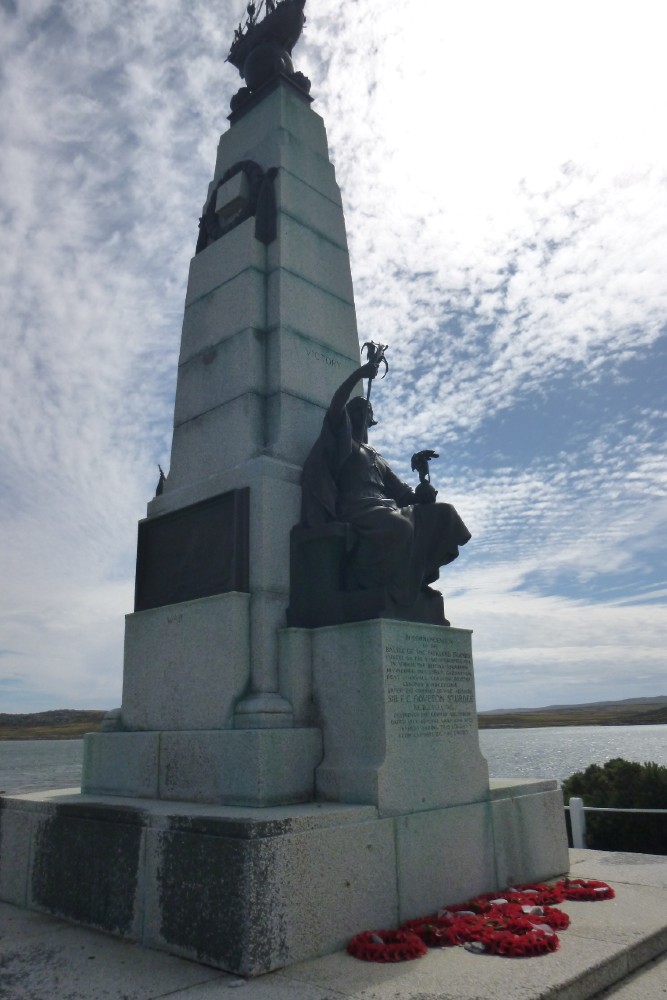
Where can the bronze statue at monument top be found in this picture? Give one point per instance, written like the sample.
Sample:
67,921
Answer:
262,47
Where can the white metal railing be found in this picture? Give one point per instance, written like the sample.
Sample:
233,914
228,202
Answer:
578,811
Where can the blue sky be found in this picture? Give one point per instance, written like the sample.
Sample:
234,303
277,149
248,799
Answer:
503,170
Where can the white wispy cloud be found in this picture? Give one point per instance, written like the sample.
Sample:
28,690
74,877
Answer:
504,173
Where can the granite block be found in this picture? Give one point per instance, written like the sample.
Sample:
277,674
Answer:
311,256
397,704
274,509
87,864
121,764
223,310
251,906
224,260
283,109
221,373
530,837
267,616
293,426
312,311
444,857
296,198
186,664
16,832
295,673
305,368
252,767
281,131
197,452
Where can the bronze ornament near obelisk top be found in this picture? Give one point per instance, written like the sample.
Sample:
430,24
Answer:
262,47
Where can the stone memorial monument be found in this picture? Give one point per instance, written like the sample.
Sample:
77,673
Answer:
296,756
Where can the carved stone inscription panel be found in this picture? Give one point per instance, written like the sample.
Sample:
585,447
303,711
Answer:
430,687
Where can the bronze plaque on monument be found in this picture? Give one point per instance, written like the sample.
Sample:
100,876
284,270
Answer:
194,552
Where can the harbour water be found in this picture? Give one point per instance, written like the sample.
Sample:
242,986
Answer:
555,752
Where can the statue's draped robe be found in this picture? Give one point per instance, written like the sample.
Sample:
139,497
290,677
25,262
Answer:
401,544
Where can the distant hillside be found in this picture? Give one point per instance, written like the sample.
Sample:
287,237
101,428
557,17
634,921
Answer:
658,699
59,724
630,712
72,724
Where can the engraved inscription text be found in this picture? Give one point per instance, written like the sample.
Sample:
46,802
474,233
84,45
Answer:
429,687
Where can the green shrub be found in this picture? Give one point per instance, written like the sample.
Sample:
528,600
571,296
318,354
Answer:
622,784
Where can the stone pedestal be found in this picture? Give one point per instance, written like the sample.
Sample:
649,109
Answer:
397,704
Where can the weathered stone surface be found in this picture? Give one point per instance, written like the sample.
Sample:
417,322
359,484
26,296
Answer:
225,260
252,767
186,664
311,208
312,256
249,767
292,422
254,905
121,764
295,673
444,856
397,703
274,508
529,833
196,452
281,131
306,368
16,831
312,311
255,473
87,861
218,374
250,889
226,309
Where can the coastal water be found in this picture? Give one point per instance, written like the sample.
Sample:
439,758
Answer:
554,752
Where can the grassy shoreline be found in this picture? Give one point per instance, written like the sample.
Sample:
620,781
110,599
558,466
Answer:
651,714
73,724
59,724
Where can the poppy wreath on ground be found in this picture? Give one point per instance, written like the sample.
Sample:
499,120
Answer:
430,930
387,946
519,943
480,904
445,932
503,930
537,893
553,918
461,930
520,922
586,889
539,916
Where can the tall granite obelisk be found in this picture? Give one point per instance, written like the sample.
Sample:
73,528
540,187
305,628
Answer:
265,791
268,334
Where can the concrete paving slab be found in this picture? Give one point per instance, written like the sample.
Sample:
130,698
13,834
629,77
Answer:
636,869
270,987
17,925
455,974
42,958
648,983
